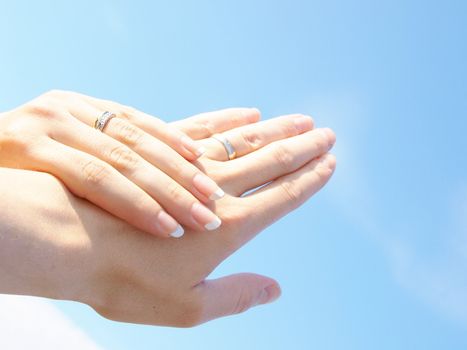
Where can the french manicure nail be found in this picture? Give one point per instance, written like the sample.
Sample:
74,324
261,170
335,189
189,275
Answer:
205,217
214,224
208,187
179,232
218,194
167,224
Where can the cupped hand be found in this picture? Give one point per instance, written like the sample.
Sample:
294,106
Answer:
129,276
137,169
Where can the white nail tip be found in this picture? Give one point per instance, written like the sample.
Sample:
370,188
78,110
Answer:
213,224
178,232
217,195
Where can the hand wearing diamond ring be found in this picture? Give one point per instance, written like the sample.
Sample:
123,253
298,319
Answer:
138,168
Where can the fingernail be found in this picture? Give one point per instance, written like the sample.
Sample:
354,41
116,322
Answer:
331,135
218,194
325,135
167,224
303,123
205,217
179,232
191,146
331,161
208,187
269,294
254,115
214,224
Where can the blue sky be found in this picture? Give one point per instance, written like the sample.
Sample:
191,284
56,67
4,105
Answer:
378,259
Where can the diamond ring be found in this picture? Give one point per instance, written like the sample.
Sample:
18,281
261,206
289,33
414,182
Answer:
102,121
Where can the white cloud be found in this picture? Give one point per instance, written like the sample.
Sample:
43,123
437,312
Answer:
34,323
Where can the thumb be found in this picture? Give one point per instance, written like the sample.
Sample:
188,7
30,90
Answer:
236,293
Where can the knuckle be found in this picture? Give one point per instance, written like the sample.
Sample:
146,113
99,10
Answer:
207,127
242,303
14,139
44,109
94,172
174,192
283,157
20,140
293,193
128,112
125,114
179,168
289,128
123,158
251,139
128,133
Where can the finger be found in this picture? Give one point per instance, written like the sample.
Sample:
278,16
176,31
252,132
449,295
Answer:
154,126
275,160
249,138
207,124
92,179
235,294
175,199
286,194
166,159
168,134
157,153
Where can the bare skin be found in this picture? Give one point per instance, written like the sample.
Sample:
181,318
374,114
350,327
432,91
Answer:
56,245
136,159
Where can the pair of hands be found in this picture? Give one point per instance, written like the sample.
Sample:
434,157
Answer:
76,251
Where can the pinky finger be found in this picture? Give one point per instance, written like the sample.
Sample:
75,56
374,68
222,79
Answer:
90,178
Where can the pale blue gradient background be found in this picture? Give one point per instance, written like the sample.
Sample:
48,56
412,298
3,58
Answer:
378,259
